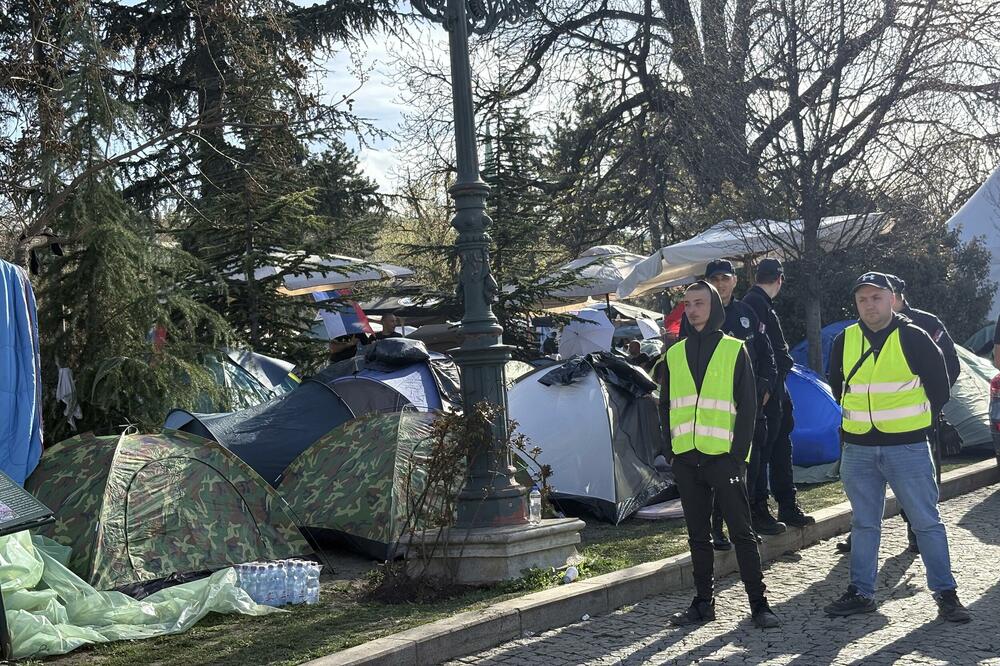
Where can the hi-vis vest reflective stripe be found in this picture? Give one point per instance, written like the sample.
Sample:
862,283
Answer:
705,420
883,394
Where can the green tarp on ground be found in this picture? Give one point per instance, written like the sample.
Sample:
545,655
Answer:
52,611
141,507
353,486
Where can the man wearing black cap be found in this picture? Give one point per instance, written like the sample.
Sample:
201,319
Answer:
931,325
774,466
742,323
890,379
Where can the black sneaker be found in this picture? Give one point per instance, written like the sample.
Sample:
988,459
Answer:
793,515
762,520
851,603
845,545
913,546
950,608
762,615
720,541
699,612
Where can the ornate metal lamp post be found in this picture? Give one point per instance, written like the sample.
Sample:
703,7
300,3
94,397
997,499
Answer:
491,497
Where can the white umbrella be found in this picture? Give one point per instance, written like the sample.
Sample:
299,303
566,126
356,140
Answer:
592,334
680,262
327,273
648,328
600,270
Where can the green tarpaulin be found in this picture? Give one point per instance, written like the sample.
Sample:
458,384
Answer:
51,610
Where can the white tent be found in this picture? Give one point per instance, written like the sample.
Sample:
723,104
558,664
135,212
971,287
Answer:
329,273
600,270
593,333
680,262
600,442
980,217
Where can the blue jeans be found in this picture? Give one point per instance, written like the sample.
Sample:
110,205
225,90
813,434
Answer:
909,471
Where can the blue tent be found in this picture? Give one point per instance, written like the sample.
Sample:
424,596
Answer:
816,437
800,352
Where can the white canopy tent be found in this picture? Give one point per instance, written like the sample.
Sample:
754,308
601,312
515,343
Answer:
680,262
328,273
980,217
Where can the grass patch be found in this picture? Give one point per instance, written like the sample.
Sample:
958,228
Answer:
342,620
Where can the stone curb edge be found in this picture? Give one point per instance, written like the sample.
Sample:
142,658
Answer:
475,631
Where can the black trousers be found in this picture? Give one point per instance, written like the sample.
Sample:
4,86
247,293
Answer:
721,478
772,468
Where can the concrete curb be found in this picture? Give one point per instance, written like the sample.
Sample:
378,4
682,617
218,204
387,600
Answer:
475,631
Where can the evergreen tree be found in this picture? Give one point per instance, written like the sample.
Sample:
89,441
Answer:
116,282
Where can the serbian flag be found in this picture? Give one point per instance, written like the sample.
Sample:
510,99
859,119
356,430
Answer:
342,316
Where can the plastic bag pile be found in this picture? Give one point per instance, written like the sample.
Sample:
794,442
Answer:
50,610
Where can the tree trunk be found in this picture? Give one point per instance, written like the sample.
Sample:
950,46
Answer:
814,286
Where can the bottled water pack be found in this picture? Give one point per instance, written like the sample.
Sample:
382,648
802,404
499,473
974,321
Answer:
281,583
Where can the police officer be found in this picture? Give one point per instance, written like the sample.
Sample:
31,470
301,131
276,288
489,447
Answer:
931,325
710,395
890,379
775,468
742,323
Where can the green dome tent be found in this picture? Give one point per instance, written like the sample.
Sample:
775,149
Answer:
353,486
141,507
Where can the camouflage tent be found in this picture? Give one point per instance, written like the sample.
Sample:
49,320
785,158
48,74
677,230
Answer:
353,486
141,507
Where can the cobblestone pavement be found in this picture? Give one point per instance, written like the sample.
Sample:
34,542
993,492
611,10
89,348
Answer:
905,630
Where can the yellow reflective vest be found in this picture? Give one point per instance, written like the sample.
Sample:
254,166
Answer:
884,394
703,420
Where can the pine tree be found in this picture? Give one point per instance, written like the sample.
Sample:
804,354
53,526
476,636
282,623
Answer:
117,280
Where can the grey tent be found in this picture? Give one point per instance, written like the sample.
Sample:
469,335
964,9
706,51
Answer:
596,423
968,411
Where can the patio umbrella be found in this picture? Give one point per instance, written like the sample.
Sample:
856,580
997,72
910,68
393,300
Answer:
327,273
600,270
648,328
592,334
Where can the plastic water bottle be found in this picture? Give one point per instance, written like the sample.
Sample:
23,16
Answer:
301,578
270,585
535,506
281,577
252,585
312,583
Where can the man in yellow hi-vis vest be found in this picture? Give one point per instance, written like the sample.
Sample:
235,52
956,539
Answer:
710,397
890,378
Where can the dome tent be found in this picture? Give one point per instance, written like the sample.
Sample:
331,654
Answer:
595,420
393,374
141,507
353,486
816,435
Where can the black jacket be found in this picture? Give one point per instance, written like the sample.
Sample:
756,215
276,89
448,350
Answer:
762,305
925,361
699,348
939,334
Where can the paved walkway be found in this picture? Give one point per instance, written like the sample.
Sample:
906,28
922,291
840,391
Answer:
904,631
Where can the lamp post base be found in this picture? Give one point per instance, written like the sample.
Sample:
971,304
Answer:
481,556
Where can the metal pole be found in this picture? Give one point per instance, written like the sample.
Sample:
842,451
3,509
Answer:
491,497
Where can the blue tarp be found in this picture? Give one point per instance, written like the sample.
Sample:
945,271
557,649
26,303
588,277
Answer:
20,376
816,437
800,352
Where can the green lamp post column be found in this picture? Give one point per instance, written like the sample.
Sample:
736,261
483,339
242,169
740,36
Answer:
491,497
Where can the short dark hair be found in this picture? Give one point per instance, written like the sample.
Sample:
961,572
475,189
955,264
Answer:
700,285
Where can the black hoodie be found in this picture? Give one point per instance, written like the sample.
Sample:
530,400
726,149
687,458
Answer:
699,348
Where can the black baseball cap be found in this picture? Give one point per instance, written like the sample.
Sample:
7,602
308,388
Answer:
873,279
898,283
769,270
719,267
